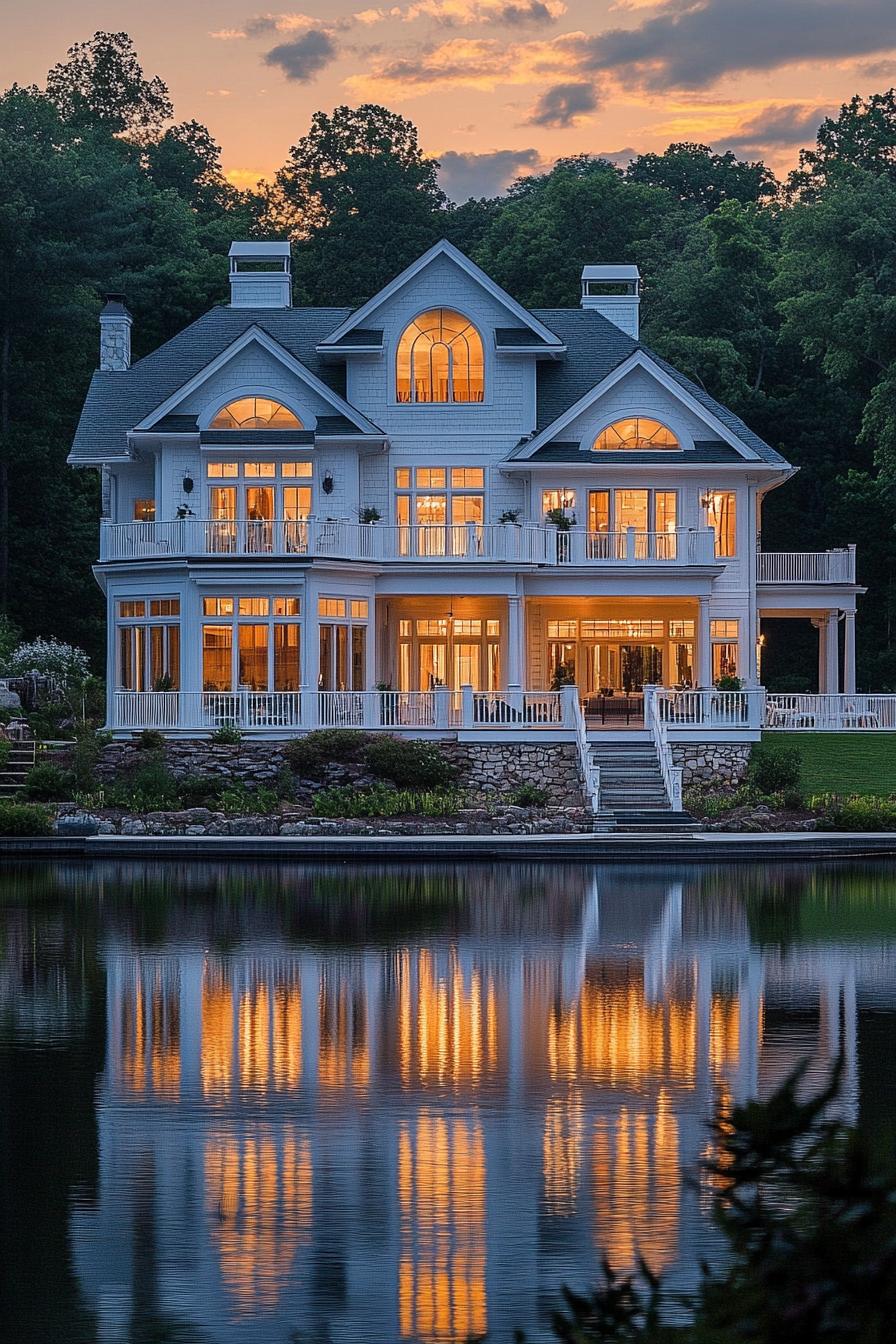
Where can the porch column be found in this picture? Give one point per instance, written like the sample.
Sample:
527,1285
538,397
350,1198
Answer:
515,650
704,644
849,653
821,626
832,670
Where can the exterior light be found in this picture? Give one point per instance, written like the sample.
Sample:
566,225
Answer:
327,484
188,483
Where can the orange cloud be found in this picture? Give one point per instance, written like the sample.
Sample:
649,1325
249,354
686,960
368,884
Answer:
464,62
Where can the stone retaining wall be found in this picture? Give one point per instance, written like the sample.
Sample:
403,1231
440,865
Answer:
711,762
485,768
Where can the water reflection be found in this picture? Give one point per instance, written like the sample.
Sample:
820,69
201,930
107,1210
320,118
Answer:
406,1104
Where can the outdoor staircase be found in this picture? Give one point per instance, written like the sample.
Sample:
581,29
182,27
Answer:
632,794
19,762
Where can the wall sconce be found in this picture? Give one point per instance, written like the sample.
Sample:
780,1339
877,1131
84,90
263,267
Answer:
188,483
327,484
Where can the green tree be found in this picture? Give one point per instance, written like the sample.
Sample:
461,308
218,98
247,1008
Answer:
360,199
695,174
101,82
862,135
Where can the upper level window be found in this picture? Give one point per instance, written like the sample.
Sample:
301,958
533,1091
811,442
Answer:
440,359
255,413
637,433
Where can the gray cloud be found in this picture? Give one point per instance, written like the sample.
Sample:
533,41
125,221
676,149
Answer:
559,106
526,11
303,58
693,47
466,175
794,124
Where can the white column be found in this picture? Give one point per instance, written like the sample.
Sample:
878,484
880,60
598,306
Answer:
849,653
820,626
704,644
515,651
832,673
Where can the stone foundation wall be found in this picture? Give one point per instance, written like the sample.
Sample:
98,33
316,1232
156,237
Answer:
487,768
711,762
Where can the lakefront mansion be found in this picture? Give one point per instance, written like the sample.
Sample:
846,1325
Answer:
438,511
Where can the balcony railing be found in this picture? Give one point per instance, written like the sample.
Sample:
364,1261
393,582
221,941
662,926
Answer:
831,713
837,566
710,709
204,711
461,542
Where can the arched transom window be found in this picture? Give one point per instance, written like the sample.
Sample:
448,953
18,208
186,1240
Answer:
638,432
255,413
440,359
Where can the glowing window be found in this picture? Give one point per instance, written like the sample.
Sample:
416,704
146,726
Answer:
440,359
220,469
295,469
259,469
723,629
359,609
254,606
467,478
552,500
638,432
217,606
331,606
164,606
255,413
430,478
131,609
286,606
144,510
563,629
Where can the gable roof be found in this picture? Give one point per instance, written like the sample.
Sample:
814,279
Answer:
117,401
443,249
256,335
596,347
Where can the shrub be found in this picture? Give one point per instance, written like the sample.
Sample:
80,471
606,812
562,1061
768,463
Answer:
409,761
47,783
65,667
860,814
729,683
227,735
528,794
381,801
310,754
150,740
774,769
84,756
25,819
149,787
240,800
5,749
199,790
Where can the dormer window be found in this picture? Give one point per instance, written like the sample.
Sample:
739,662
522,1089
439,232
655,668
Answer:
255,413
440,359
637,433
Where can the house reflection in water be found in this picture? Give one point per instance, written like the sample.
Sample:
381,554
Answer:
422,1138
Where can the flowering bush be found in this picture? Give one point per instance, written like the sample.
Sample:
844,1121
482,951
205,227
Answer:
65,667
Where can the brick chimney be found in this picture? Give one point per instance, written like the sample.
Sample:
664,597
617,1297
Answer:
115,335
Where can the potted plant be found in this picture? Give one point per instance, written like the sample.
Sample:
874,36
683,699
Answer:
369,514
564,675
562,520
510,516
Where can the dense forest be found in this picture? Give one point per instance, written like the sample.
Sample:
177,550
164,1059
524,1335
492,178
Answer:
778,297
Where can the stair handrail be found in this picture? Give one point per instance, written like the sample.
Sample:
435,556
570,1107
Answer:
671,773
590,770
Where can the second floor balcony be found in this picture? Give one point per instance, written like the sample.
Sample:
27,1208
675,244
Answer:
378,542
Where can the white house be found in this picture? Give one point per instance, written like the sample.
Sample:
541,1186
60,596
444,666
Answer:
434,512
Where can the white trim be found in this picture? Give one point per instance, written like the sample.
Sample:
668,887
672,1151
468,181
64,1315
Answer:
638,359
446,249
258,336
307,419
684,436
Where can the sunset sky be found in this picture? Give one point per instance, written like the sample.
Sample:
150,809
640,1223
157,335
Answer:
496,87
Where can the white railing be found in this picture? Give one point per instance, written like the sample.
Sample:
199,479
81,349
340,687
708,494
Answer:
831,713
396,711
503,542
711,709
837,566
658,728
589,768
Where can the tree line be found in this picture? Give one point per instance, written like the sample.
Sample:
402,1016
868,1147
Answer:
778,297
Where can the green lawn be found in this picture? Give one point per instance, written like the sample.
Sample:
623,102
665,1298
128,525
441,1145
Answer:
844,762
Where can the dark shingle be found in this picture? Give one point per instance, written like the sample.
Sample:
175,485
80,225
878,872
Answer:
709,451
256,437
509,338
360,336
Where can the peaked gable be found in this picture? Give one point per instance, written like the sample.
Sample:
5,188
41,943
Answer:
361,318
256,335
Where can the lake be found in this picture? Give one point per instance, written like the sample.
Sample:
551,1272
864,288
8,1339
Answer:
315,1104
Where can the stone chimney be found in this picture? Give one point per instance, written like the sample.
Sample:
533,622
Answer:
260,275
615,291
115,335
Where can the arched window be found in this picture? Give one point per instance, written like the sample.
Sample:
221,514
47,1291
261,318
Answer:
255,413
638,432
440,359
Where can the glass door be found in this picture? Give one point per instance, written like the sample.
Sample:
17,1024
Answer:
433,665
640,665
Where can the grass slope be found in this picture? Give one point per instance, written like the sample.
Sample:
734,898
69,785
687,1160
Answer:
844,762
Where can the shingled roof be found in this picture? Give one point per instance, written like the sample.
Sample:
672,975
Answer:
595,347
